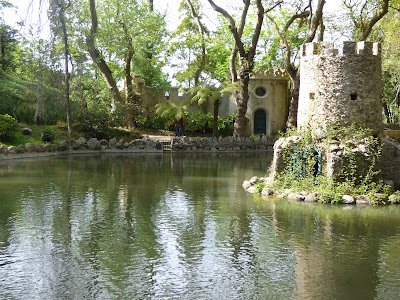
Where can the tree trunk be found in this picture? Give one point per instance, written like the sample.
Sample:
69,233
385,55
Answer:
98,60
294,98
215,120
200,26
150,5
242,99
246,63
61,10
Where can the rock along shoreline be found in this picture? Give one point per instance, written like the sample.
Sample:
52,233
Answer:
146,145
312,197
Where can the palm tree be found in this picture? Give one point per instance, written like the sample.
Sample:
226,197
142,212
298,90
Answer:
171,108
202,93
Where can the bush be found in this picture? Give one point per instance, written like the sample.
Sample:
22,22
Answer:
158,122
199,122
142,122
27,131
8,127
48,135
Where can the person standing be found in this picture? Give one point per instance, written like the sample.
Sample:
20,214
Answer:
177,127
183,124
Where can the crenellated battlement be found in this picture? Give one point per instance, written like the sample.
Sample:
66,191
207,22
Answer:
270,74
349,48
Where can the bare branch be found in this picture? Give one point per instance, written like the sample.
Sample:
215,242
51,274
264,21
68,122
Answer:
315,21
232,25
302,15
380,13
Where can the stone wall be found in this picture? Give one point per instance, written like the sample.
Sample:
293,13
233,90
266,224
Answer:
389,162
185,144
227,144
343,89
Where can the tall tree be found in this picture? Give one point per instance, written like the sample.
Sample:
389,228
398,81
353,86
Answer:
305,15
246,57
98,58
58,11
8,46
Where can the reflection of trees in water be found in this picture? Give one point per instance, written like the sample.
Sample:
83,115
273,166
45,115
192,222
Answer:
115,221
337,250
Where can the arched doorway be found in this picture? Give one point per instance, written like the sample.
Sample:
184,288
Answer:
260,122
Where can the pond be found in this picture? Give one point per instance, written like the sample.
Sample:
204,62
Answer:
167,226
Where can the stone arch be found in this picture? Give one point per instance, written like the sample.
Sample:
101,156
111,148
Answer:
261,122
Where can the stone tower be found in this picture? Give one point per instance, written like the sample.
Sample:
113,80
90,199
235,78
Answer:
341,89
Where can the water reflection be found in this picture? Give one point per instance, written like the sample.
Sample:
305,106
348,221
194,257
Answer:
162,226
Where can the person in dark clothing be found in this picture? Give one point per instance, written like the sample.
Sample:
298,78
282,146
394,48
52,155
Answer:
177,127
183,124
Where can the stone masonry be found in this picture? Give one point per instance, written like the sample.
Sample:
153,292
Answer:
340,88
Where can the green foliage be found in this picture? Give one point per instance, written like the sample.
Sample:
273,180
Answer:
159,122
358,176
48,135
9,46
8,127
259,187
20,100
198,122
171,108
142,122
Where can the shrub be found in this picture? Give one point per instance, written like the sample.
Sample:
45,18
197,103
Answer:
142,122
27,131
198,122
158,122
48,135
8,127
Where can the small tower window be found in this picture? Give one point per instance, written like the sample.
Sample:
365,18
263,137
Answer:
354,96
312,96
260,92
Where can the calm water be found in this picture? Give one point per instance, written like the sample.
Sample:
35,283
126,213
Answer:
170,227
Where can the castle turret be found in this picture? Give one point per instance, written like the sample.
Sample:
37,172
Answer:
341,89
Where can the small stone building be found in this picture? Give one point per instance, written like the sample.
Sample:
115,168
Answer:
267,109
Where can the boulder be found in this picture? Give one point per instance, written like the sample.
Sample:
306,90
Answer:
12,150
347,199
38,148
393,199
251,189
62,146
312,197
29,147
104,142
112,142
81,143
21,149
267,192
254,180
295,197
246,184
3,149
362,200
93,144
380,198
